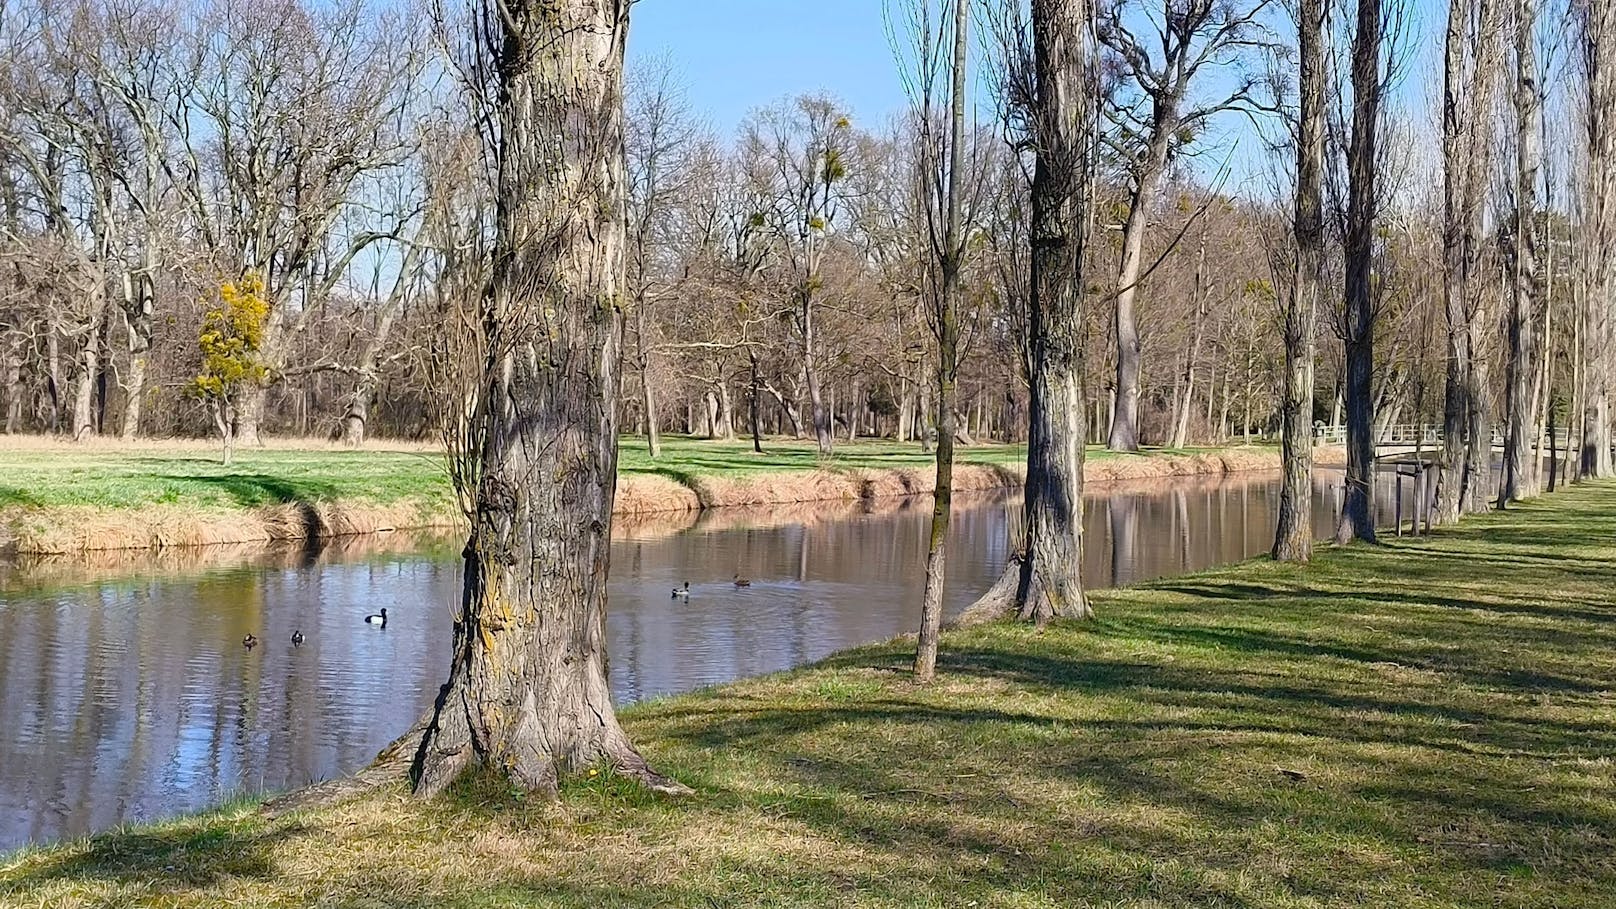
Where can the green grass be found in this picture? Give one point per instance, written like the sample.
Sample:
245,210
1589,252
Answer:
1426,723
113,477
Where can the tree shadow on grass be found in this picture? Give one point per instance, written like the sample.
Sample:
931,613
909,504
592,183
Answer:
16,495
184,855
250,490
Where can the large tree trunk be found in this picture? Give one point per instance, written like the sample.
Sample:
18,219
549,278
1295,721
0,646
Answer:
1125,408
1048,573
1599,237
810,369
527,696
1293,538
726,411
89,372
355,425
1357,519
1519,479
16,390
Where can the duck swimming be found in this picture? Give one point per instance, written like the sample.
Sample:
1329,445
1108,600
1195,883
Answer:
742,582
682,592
249,642
377,619
297,638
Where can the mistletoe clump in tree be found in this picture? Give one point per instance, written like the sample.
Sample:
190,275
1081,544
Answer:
231,336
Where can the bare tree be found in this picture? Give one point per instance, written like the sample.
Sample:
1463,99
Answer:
1293,537
283,128
658,133
941,57
807,147
1520,478
1598,247
1156,117
1474,52
1358,321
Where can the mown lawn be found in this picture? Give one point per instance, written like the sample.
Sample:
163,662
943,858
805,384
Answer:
110,476
1426,723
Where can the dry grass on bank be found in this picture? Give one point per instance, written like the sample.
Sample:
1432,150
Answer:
1428,723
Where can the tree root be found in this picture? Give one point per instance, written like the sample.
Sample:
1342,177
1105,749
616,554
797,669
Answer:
391,765
998,602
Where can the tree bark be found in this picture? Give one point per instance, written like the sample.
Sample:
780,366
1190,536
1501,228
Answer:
757,423
16,391
1125,409
527,695
1049,580
89,372
810,370
1293,537
1599,237
1470,66
1186,401
1357,521
1519,479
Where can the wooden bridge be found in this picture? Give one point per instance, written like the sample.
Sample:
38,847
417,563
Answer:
1404,440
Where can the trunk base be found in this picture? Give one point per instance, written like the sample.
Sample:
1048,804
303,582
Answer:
529,755
1006,598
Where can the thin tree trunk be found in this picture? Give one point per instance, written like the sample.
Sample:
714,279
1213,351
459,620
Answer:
810,368
527,695
1356,519
1181,423
949,262
53,376
1519,479
757,422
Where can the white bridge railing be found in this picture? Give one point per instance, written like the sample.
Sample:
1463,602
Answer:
1424,436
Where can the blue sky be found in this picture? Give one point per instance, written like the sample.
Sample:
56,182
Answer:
736,55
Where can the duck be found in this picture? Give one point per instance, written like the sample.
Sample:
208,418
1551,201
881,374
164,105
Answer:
297,638
682,592
377,619
250,641
742,582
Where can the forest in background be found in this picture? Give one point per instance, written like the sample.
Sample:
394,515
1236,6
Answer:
153,152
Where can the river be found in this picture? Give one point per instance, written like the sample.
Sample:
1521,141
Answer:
126,694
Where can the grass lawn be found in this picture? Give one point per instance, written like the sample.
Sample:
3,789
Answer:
108,475
1426,723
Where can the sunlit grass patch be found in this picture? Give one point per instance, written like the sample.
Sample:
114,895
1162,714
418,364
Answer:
1428,723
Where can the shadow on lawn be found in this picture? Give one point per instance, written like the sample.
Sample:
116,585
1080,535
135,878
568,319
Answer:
189,855
250,490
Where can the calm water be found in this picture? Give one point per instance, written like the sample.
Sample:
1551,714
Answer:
126,695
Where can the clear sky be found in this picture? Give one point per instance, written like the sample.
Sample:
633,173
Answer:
736,55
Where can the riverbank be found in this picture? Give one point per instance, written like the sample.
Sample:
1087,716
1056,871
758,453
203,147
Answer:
1426,723
57,497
